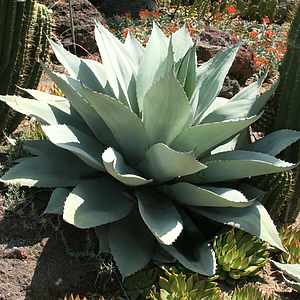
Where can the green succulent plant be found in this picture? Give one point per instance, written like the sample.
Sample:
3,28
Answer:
239,254
141,147
175,286
250,292
290,237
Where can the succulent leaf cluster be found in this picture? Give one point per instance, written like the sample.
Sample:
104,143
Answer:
141,142
290,237
175,285
239,254
250,292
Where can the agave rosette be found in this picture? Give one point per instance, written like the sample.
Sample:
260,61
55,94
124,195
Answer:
141,141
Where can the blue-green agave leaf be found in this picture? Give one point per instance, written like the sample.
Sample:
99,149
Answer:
86,147
239,164
134,48
210,80
204,137
57,201
192,250
182,43
116,167
70,87
253,219
166,110
155,61
54,167
96,202
126,127
163,163
90,72
154,208
291,270
274,142
132,244
189,194
102,236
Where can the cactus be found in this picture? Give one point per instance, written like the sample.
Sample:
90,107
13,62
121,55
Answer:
24,27
283,198
239,254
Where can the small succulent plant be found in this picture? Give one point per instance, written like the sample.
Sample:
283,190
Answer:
290,237
141,146
239,254
176,285
78,297
250,292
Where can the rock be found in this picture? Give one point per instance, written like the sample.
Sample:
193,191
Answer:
119,7
230,88
211,41
84,15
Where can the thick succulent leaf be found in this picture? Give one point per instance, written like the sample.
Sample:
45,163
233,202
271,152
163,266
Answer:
42,111
86,147
155,62
163,163
210,80
116,59
204,137
192,250
189,194
239,164
70,87
291,270
116,167
126,127
96,202
239,107
253,219
160,215
293,284
166,110
217,103
102,236
91,73
132,244
134,48
54,167
57,201
274,142
182,42
185,70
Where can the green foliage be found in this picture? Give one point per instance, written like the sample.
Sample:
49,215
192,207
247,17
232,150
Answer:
239,254
148,147
175,285
78,297
290,237
250,292
25,26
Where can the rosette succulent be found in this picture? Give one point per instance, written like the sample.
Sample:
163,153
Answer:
141,147
239,254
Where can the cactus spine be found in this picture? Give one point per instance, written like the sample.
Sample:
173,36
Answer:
24,27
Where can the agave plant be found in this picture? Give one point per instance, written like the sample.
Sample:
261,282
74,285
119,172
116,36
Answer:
141,142
250,292
239,254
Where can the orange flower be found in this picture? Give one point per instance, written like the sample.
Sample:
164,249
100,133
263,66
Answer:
125,32
145,13
269,33
156,14
253,34
265,20
231,9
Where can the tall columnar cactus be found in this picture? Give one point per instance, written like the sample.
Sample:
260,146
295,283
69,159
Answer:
283,191
24,27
